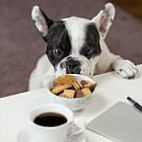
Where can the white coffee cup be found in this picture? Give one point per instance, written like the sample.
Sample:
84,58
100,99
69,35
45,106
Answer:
58,133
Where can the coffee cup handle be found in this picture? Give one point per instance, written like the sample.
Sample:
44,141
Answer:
76,128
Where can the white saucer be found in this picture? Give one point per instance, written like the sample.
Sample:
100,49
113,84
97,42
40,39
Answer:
24,136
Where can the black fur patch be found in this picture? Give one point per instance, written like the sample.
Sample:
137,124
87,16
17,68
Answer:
58,43
91,47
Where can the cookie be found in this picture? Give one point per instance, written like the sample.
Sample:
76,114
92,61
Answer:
75,85
79,94
81,86
68,93
83,82
58,89
90,85
86,92
64,79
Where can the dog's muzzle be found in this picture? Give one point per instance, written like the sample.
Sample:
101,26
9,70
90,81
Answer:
73,66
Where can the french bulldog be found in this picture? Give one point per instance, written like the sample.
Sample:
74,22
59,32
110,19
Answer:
77,46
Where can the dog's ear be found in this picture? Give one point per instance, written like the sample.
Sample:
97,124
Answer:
42,22
104,19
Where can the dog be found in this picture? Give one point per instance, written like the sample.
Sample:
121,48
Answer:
77,46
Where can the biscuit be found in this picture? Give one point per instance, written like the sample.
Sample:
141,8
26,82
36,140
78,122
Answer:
64,79
90,85
68,93
83,82
75,85
79,84
86,92
79,94
62,95
60,88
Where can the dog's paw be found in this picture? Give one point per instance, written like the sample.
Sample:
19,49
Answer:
125,68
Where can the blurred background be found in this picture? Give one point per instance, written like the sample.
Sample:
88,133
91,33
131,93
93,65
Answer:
21,44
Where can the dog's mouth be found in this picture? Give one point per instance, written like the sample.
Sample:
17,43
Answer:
73,67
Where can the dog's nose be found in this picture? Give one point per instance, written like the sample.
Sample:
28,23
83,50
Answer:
73,67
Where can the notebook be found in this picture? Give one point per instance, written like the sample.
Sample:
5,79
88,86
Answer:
120,123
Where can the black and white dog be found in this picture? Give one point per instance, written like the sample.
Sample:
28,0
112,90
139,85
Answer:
76,45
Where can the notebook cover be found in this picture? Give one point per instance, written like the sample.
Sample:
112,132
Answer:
120,123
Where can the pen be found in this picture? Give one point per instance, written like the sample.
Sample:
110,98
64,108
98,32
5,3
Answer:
136,104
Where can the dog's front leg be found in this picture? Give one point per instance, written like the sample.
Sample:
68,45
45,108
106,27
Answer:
125,68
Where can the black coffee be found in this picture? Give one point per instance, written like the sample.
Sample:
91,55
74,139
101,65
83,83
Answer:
50,119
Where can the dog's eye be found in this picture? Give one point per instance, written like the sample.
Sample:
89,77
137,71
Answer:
56,52
89,52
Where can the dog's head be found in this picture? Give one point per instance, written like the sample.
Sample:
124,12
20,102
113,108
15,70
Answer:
74,44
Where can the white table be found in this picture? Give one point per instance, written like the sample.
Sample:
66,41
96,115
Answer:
111,89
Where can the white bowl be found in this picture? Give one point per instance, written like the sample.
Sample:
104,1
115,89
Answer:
75,104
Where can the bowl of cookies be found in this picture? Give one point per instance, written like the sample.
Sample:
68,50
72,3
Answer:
73,90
